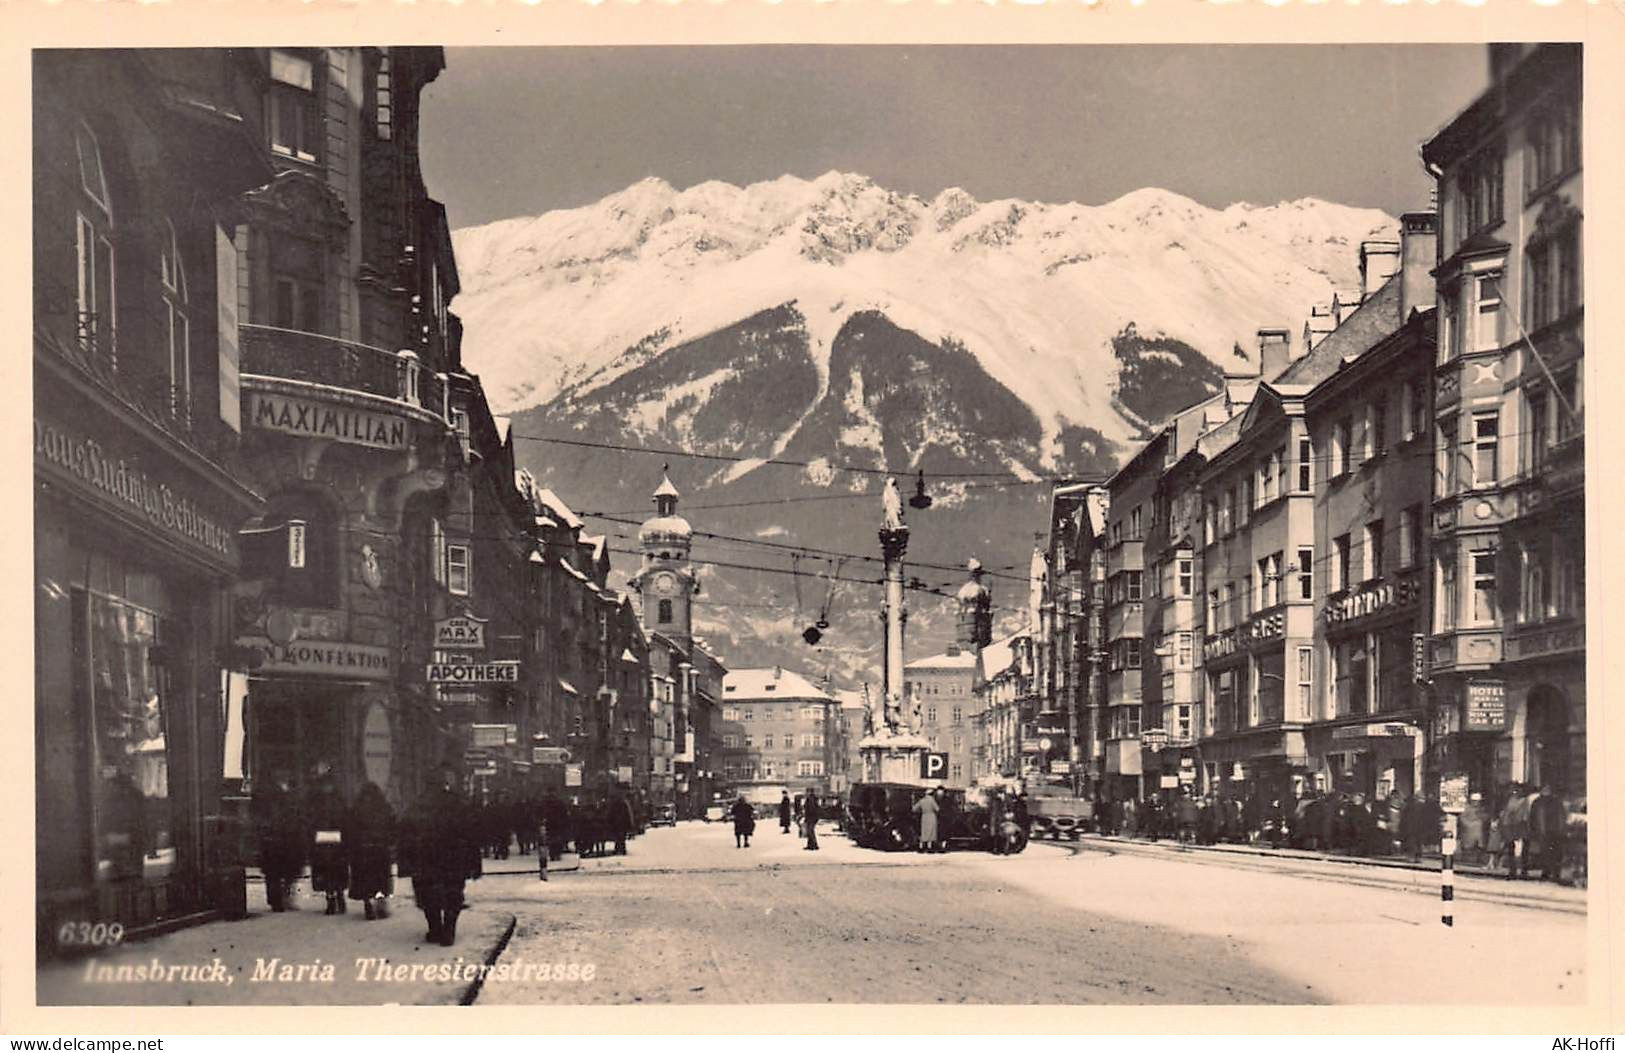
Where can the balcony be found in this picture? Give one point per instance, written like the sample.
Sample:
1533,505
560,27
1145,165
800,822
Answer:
323,367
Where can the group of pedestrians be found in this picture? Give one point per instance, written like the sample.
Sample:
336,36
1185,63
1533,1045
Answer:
353,849
527,824
803,812
1528,831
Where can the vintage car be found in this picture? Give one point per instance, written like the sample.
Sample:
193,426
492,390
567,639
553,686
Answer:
880,815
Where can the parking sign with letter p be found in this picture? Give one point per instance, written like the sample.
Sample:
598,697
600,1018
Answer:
933,766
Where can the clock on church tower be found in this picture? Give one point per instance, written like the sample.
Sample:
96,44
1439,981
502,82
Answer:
665,582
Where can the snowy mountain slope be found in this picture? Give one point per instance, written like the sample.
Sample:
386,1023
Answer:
1035,291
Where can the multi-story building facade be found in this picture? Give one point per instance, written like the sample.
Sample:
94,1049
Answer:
1067,619
137,478
1507,642
940,690
1006,693
779,731
1129,513
1369,421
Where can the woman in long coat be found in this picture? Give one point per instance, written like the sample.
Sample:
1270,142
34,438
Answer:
744,822
444,853
324,817
926,807
369,842
280,831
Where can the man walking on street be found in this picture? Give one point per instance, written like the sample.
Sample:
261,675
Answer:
784,812
620,821
809,818
445,853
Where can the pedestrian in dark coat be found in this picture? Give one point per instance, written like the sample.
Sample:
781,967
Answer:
1186,817
1023,818
620,822
784,812
809,819
324,818
1207,821
281,834
369,843
445,852
995,821
744,822
1410,828
1474,829
556,820
1548,830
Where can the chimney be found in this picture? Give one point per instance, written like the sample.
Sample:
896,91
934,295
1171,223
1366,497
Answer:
1379,261
778,672
1274,352
1418,239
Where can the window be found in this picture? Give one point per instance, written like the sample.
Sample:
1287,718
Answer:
1414,409
1131,653
958,771
1486,330
1449,458
1553,149
1373,549
1306,573
1552,286
1184,656
1446,598
1117,532
1486,448
1306,465
1351,677
1540,426
1342,444
293,122
730,741
1227,511
1484,610
747,713
1134,524
1229,607
959,714
1210,523
958,743
382,99
1245,504
1478,192
1266,482
1184,728
1260,590
767,741
810,767
1306,680
1280,471
1213,616
1570,411
1377,430
664,612
1133,581
1410,540
94,242
1340,564
176,327
1186,568
1449,327
749,740
1125,722
457,569
437,551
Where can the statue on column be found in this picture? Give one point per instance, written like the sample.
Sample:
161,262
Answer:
868,712
892,503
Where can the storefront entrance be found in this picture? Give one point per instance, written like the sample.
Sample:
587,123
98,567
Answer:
297,726
1548,758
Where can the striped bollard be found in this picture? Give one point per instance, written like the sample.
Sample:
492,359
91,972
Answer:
1447,870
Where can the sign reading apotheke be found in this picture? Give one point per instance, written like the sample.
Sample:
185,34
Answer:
351,661
318,420
473,673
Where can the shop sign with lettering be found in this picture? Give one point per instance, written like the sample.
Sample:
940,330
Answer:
473,673
1219,645
1266,627
461,632
1379,598
1486,705
350,661
492,734
111,477
320,420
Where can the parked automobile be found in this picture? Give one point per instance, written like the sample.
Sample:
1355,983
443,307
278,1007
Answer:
664,815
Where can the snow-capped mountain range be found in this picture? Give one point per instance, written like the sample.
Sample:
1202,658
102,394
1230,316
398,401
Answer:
835,322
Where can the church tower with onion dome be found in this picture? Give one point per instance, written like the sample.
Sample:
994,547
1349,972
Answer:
665,583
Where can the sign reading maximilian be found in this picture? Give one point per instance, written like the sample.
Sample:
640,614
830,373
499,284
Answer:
318,420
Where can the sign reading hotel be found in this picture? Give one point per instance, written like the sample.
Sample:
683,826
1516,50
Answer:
1486,705
318,420
462,632
335,658
473,673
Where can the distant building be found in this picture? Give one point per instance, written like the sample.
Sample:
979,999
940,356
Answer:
780,730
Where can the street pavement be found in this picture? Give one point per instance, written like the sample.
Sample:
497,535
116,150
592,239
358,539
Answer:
685,917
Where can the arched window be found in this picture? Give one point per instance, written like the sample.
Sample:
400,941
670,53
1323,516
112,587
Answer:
177,327
665,612
93,236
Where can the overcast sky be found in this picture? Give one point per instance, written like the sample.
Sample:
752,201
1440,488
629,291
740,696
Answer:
519,131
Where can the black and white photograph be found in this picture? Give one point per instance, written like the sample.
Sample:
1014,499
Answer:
816,524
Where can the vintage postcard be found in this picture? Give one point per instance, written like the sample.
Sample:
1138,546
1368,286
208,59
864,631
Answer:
641,510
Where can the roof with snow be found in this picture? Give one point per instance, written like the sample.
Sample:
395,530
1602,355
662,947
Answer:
957,660
597,543
1360,331
665,526
558,509
666,489
761,685
999,655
